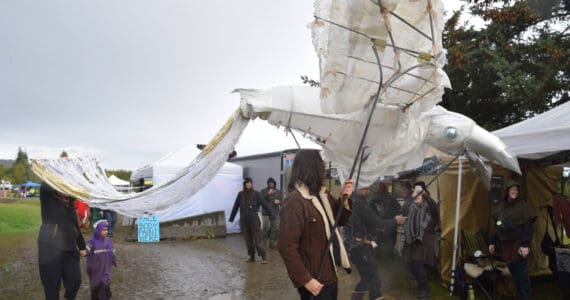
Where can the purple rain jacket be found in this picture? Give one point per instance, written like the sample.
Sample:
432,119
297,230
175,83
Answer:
100,257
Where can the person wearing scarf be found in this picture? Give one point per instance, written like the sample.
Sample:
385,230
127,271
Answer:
307,220
100,261
60,244
421,237
514,221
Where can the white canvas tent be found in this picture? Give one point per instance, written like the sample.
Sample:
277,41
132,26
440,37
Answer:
218,194
540,136
116,181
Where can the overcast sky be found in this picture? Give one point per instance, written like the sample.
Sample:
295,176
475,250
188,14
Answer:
129,81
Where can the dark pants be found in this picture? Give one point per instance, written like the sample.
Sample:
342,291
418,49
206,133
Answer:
417,269
57,266
101,292
270,227
363,257
519,270
329,292
111,218
251,230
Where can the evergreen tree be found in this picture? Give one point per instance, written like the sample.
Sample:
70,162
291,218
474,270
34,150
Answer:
515,67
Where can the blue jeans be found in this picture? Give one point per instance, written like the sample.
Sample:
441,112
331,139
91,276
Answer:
111,218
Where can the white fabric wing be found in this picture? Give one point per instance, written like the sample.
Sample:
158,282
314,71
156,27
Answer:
407,36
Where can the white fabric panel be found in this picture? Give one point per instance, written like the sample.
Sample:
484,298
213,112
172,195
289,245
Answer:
349,74
397,139
541,135
86,179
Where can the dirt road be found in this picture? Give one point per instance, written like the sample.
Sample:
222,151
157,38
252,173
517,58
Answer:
179,269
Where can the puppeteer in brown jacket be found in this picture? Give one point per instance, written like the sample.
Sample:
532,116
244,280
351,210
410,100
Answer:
303,235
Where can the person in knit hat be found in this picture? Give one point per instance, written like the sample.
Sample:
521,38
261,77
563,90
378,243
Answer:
100,261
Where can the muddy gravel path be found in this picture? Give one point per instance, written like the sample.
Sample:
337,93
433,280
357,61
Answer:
177,269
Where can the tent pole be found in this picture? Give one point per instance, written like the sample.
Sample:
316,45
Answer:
456,226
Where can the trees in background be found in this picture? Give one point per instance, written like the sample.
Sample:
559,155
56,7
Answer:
514,67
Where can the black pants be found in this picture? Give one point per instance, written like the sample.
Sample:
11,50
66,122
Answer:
519,270
251,230
57,266
329,292
363,257
101,292
417,269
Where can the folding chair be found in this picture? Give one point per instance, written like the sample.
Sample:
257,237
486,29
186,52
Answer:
480,268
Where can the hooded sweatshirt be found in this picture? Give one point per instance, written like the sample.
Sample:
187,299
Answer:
100,257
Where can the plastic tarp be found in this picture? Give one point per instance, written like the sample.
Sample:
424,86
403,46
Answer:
85,178
407,38
540,135
397,140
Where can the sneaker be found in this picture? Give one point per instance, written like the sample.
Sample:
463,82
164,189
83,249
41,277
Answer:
263,261
250,259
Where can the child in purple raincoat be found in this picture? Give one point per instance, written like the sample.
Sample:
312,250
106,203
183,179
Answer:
100,261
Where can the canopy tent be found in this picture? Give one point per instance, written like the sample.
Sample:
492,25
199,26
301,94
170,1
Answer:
116,181
541,135
477,203
30,184
218,194
535,138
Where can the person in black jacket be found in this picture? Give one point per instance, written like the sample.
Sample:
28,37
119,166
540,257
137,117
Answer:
360,235
514,220
386,207
60,244
247,202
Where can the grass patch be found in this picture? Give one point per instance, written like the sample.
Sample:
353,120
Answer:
20,216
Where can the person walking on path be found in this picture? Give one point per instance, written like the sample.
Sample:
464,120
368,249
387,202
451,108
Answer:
247,202
273,198
100,261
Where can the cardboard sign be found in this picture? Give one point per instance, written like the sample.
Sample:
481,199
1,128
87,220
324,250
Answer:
148,229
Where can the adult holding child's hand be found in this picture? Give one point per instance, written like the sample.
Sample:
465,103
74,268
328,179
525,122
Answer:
60,244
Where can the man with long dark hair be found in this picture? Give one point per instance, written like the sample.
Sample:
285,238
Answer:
247,202
307,223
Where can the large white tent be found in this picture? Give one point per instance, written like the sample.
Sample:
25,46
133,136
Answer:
116,181
218,194
540,136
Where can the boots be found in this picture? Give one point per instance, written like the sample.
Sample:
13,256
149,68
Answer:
356,295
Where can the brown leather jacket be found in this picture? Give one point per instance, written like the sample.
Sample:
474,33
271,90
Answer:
303,237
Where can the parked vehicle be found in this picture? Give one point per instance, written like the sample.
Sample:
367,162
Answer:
5,185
